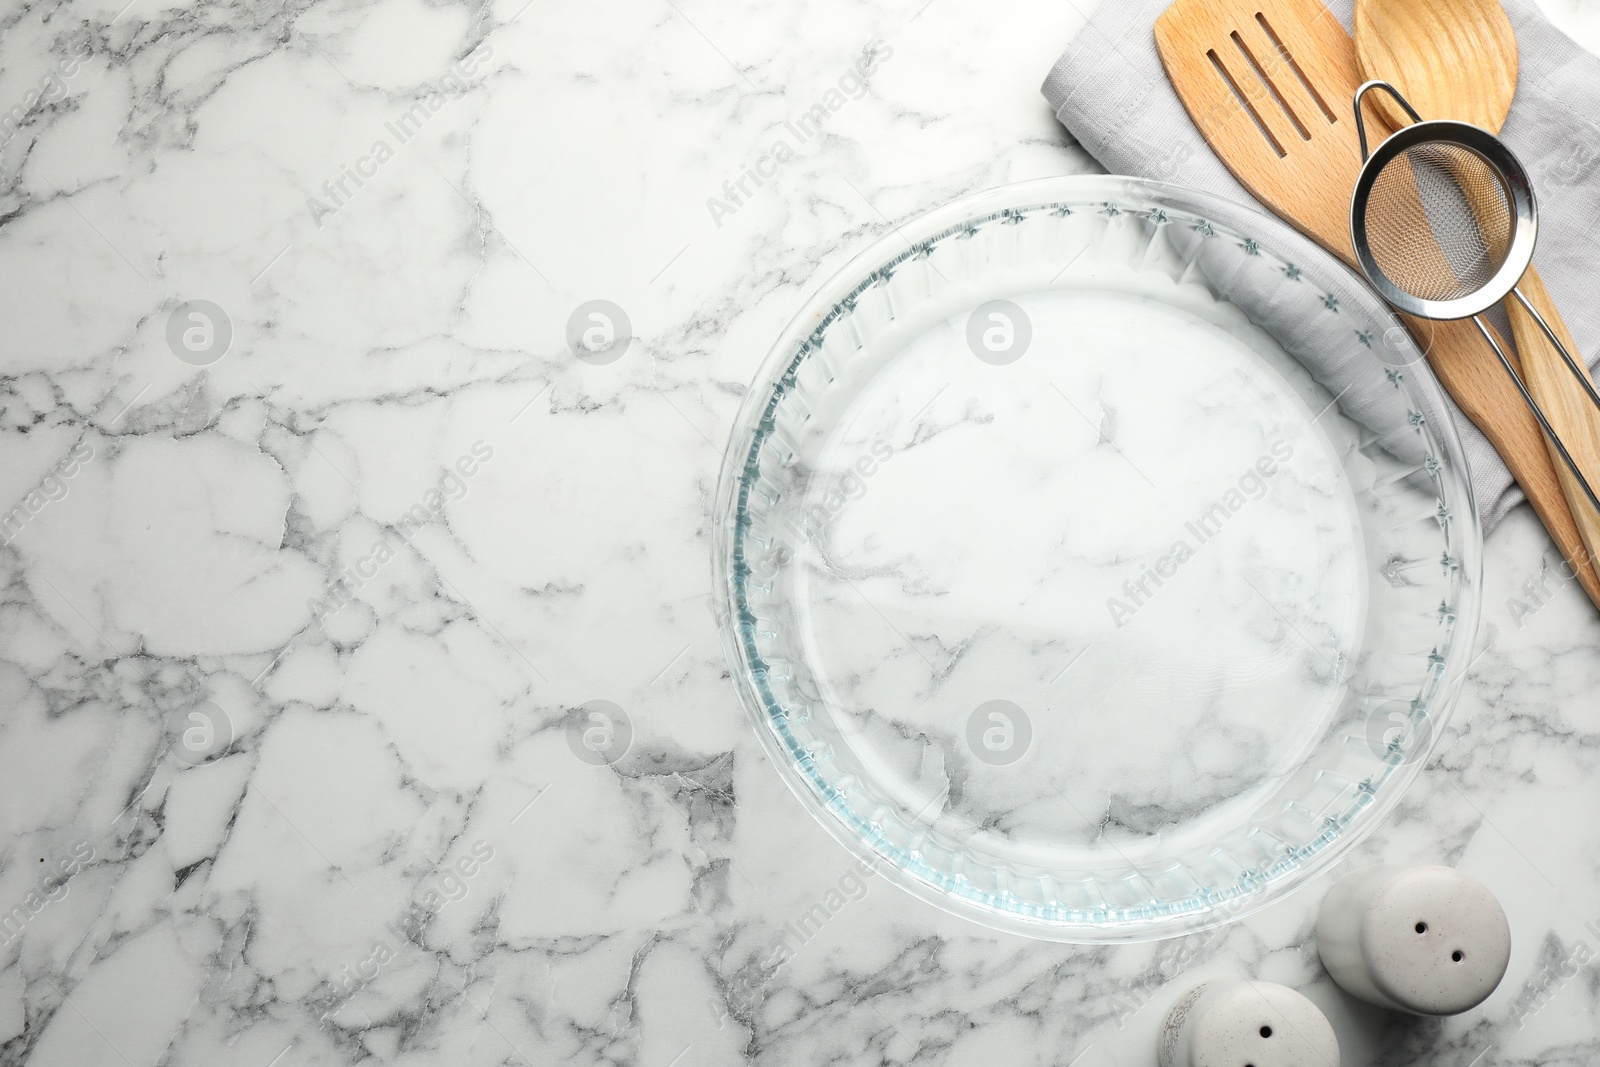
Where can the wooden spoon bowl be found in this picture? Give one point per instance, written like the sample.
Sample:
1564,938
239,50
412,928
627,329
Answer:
1452,59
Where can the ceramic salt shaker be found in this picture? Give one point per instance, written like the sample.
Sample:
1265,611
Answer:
1425,940
1232,1022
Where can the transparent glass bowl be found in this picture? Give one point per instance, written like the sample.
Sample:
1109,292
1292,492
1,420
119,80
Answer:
1059,590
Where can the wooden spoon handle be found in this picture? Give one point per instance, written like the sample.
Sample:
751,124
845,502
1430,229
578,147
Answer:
1469,373
1565,404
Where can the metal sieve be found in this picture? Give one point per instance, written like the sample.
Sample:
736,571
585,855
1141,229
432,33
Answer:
1443,222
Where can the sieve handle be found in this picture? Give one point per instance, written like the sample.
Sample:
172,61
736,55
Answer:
1562,387
1487,396
1361,120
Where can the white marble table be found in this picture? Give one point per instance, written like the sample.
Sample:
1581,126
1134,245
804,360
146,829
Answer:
381,530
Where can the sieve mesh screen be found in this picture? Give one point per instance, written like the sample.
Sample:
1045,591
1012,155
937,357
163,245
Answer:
1439,222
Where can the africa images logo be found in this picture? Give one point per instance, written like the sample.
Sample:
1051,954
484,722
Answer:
1251,486
339,189
785,147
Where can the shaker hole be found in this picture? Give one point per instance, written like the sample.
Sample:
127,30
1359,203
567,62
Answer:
1266,1031
1422,928
1457,956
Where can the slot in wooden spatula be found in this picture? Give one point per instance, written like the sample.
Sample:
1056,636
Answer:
1269,85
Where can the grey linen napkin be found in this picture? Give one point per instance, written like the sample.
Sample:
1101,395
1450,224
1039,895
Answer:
1111,93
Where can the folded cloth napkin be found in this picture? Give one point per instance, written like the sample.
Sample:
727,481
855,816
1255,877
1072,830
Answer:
1111,92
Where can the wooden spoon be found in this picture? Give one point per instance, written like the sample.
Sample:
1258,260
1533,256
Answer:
1457,59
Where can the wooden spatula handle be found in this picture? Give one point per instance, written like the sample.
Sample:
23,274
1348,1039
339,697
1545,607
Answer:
1563,399
1480,388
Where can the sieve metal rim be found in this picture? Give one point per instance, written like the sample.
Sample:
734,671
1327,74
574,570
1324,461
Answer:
1519,192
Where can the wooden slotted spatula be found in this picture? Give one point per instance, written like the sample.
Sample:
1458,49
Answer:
1269,86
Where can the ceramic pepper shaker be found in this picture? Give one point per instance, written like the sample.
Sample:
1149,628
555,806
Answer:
1232,1022
1425,940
